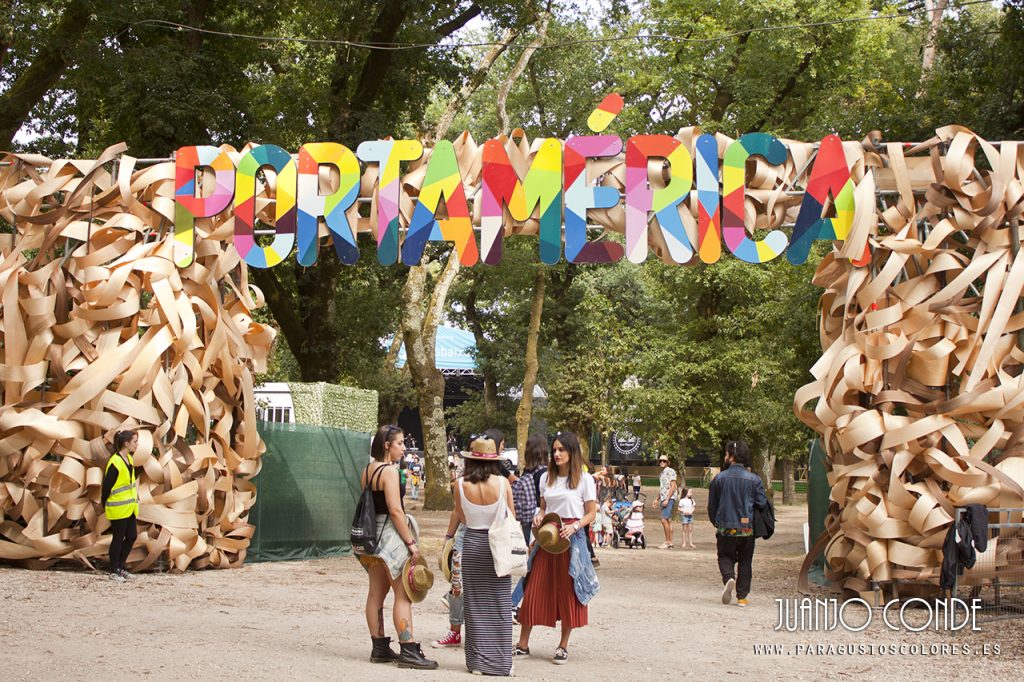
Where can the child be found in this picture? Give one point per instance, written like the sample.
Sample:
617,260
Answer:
604,523
686,509
635,521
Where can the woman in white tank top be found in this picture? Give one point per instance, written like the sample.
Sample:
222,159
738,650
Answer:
481,516
480,496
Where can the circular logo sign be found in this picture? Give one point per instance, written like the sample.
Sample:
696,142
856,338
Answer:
625,443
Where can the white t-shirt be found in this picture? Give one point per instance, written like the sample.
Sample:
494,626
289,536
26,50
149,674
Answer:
565,501
687,505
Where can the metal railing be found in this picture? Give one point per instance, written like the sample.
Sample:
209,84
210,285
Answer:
997,576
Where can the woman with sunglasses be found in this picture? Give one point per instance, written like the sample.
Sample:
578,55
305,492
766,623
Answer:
397,533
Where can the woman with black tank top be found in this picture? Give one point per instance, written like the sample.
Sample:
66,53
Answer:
397,533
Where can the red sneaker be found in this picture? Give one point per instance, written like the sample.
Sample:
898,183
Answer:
450,640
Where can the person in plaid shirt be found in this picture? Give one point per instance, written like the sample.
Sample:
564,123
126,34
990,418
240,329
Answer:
526,497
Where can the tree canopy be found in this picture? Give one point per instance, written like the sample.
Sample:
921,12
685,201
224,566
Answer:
685,356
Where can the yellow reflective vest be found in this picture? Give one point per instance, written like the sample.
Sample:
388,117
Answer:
124,497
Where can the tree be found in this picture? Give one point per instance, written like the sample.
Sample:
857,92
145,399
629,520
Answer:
32,69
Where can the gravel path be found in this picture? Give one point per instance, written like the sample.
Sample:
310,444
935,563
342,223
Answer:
658,615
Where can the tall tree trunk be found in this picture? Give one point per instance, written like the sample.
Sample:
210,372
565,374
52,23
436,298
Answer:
524,413
788,481
475,80
724,97
767,471
935,9
419,329
56,48
517,70
682,459
606,450
307,318
475,326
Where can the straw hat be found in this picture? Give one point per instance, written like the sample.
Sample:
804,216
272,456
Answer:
547,535
444,562
417,579
482,448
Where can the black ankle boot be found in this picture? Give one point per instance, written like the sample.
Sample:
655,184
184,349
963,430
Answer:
382,652
412,657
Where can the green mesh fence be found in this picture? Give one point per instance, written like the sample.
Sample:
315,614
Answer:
306,491
817,505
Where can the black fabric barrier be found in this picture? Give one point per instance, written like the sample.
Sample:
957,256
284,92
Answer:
306,491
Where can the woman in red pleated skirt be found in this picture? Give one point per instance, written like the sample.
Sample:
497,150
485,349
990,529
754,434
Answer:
550,597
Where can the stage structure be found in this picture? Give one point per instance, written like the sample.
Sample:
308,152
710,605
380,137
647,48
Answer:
918,394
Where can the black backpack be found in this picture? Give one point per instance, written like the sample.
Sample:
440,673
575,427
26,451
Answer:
364,522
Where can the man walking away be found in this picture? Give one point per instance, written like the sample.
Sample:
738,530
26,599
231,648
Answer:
666,499
732,497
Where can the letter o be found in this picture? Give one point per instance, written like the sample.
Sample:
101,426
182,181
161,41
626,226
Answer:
842,619
907,603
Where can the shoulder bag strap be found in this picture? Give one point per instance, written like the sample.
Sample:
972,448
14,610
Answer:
387,516
502,504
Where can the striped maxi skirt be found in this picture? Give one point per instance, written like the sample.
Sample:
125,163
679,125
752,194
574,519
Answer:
488,608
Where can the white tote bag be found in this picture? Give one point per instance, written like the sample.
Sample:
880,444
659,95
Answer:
508,546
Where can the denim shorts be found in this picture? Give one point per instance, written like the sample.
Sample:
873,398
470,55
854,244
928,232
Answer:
687,519
666,512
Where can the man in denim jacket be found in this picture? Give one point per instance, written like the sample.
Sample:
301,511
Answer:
732,497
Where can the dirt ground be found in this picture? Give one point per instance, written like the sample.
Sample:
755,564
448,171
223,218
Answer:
658,614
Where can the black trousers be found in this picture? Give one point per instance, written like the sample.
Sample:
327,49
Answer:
122,538
732,551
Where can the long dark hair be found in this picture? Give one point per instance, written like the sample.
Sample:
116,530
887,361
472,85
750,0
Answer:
536,449
384,435
571,443
122,438
497,435
478,470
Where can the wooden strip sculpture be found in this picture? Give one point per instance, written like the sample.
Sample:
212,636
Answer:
918,394
102,332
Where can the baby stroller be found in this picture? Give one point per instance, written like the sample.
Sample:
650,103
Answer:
628,520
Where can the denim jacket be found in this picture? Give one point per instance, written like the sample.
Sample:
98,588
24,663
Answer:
581,569
732,496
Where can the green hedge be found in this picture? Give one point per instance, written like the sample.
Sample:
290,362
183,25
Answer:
343,407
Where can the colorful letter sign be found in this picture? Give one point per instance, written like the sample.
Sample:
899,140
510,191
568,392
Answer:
555,184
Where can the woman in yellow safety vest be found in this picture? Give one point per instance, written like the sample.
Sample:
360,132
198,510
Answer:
120,499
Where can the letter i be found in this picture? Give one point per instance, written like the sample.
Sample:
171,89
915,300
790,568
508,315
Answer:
709,215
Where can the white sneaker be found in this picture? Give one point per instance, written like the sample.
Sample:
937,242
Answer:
727,591
116,577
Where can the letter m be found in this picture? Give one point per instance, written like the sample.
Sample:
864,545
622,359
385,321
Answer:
540,192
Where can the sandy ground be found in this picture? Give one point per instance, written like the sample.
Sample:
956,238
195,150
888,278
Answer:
658,614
